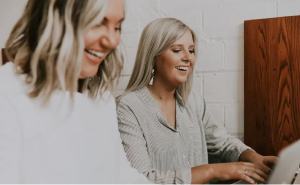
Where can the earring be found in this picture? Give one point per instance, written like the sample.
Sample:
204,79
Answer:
152,76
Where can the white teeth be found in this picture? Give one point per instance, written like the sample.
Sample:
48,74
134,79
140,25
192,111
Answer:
182,68
95,53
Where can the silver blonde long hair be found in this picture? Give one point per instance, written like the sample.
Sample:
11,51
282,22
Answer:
156,38
47,44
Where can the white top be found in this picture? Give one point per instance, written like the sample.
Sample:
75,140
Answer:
59,143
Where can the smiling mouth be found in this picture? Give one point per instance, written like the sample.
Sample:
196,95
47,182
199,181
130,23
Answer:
94,53
182,68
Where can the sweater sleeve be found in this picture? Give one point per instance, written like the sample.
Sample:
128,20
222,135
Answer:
10,143
220,144
126,173
136,149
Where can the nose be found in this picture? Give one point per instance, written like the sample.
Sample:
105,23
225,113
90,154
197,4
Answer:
186,56
110,39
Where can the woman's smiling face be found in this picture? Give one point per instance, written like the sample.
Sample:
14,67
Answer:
174,65
100,40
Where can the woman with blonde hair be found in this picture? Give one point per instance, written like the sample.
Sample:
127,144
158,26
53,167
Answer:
167,130
58,118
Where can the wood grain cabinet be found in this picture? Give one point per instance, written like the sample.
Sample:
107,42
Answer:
272,83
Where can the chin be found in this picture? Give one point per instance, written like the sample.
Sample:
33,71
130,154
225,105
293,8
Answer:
181,81
88,70
88,74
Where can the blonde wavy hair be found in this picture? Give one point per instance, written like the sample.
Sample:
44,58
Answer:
47,44
156,38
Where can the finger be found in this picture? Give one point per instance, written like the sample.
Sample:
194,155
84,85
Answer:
247,179
264,168
272,159
260,166
260,173
256,176
247,164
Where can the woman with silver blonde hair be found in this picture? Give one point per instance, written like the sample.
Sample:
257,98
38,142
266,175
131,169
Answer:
167,130
58,117
163,34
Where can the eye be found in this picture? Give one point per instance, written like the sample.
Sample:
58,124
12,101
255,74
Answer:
192,51
118,28
176,50
98,25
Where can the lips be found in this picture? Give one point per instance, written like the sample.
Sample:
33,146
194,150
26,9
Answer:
182,68
94,53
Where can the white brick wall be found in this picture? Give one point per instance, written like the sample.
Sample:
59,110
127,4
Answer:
219,74
10,11
210,57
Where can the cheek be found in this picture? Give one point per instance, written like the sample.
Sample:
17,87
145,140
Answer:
118,38
193,60
170,60
91,36
165,67
166,64
87,38
193,63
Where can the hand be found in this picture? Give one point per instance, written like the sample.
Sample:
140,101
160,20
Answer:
264,162
239,170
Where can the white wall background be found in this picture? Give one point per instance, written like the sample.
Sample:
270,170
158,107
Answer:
219,70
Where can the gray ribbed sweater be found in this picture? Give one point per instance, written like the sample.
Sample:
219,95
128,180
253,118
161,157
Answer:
165,154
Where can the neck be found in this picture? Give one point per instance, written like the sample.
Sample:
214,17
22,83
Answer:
161,91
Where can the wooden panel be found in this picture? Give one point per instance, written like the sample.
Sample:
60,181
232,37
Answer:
257,100
272,83
4,57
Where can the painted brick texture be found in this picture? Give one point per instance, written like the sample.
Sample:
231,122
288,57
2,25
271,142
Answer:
219,69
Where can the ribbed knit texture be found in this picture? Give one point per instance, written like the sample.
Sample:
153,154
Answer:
165,154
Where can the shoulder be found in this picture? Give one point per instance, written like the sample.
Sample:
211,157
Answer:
197,103
195,99
107,97
132,102
128,98
10,82
8,104
106,100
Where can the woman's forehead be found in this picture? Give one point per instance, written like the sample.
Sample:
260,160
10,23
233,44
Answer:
185,39
115,11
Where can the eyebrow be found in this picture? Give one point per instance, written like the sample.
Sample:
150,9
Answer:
182,45
121,20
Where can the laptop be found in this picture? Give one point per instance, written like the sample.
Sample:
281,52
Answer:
286,168
297,180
